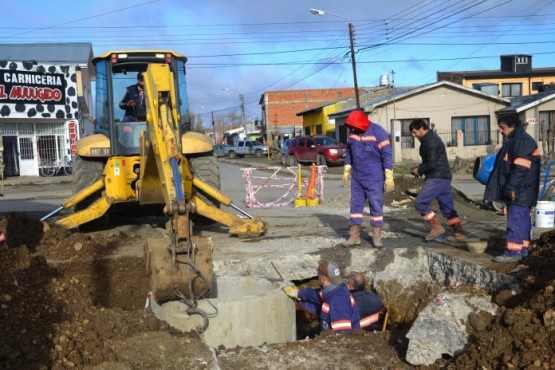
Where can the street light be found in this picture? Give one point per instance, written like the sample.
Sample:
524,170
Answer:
242,100
351,39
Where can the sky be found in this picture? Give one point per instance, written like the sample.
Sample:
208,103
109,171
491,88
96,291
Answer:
247,47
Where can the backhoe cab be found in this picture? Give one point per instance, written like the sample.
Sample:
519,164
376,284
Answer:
148,157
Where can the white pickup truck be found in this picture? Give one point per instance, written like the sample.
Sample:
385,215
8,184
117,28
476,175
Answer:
246,147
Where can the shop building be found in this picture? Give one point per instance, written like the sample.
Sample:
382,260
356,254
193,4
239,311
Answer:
45,104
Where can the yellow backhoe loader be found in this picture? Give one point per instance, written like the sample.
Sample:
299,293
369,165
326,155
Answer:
146,156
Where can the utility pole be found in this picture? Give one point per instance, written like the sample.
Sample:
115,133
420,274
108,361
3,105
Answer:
352,42
242,100
353,62
394,144
213,127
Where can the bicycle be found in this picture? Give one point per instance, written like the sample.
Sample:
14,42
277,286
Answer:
64,166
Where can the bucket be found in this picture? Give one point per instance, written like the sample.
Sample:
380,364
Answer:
483,167
545,214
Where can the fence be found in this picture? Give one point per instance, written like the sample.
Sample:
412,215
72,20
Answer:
261,187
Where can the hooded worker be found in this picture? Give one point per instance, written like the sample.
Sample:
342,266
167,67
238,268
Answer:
369,163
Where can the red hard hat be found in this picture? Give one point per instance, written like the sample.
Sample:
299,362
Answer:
358,119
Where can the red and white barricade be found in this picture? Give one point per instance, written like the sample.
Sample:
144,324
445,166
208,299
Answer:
261,190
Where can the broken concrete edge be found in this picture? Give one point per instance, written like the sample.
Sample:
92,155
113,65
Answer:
398,275
440,327
445,268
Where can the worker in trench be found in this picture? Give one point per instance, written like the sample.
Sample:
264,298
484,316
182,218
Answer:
368,303
369,164
333,302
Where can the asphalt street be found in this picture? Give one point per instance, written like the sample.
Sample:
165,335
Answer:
43,194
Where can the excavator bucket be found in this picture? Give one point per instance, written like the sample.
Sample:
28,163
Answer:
190,275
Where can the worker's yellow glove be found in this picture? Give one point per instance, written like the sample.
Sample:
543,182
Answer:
346,174
389,184
291,291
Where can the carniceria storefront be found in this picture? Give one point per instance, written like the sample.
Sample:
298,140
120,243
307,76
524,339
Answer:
39,118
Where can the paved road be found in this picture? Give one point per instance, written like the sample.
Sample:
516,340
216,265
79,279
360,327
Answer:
40,194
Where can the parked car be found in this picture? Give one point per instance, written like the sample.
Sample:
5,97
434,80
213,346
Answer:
319,149
246,147
220,150
284,150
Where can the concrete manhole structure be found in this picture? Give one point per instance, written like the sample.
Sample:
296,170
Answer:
252,308
243,311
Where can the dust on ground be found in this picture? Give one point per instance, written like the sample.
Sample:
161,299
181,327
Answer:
69,301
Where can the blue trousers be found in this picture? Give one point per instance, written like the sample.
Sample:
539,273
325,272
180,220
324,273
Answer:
519,227
370,190
439,189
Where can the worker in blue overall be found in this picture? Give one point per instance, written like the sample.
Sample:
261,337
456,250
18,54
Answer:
435,167
368,303
515,180
369,163
333,303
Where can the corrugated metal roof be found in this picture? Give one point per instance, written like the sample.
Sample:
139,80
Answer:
522,103
72,53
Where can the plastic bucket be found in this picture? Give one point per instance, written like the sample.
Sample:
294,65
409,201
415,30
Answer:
545,214
483,167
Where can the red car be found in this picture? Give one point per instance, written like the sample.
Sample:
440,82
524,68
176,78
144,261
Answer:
319,149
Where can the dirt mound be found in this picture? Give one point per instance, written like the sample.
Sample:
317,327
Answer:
522,336
68,300
80,311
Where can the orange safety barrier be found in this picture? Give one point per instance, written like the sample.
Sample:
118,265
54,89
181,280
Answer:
311,183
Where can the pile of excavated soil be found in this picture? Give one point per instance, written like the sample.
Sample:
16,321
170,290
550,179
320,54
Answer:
522,335
68,300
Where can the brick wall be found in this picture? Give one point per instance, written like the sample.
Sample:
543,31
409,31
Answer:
282,106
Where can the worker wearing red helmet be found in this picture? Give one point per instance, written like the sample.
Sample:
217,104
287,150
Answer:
369,163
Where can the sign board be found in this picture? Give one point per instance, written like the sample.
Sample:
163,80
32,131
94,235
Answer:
34,90
532,121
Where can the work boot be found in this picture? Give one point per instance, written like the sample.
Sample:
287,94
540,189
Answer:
377,237
458,232
354,237
436,230
508,256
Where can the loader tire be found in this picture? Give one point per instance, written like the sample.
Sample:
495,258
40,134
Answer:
207,168
85,172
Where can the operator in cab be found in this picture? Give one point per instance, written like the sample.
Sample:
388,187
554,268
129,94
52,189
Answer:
134,101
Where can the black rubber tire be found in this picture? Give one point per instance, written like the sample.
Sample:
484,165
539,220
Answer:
207,168
68,170
258,153
47,171
291,160
321,161
85,172
232,154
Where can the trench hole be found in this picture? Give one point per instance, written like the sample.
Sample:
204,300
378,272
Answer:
308,324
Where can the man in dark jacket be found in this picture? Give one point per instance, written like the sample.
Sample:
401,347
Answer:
435,168
134,102
515,180
368,303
